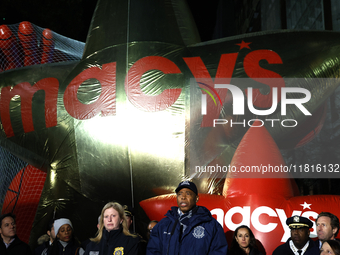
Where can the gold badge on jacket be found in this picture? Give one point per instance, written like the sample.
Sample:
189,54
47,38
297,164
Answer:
119,251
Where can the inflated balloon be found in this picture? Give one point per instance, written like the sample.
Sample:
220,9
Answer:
129,119
23,197
263,204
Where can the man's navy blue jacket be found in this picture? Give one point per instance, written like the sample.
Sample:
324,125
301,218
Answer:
203,235
284,249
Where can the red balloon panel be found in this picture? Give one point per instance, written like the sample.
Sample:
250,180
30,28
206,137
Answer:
22,198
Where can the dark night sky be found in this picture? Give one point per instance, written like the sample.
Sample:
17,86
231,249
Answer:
72,18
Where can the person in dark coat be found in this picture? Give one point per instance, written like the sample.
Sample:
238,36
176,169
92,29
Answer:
65,242
299,241
187,229
244,242
10,244
46,240
151,225
113,236
128,210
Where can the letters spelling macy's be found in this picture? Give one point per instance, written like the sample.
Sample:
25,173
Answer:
106,103
254,218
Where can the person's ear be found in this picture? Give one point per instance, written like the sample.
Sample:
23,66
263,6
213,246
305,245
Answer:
197,198
48,233
334,230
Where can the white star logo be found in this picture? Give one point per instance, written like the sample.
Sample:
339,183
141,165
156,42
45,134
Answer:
305,205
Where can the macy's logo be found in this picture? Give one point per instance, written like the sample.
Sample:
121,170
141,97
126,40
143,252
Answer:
254,218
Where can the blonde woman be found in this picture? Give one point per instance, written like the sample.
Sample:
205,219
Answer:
113,236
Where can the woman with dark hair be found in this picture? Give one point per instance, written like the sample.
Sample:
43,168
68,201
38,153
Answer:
113,236
330,247
244,242
65,242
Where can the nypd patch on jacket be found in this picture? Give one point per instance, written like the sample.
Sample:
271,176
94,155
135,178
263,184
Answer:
203,235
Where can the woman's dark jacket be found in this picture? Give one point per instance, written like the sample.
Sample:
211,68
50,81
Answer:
114,242
71,248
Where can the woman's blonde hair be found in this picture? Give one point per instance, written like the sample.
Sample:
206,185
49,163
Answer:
121,214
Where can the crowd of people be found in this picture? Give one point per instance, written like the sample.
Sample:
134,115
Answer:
186,229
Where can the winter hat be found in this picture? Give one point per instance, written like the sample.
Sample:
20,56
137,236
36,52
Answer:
58,223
